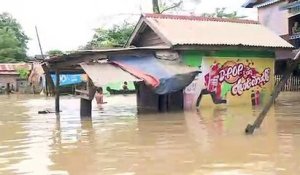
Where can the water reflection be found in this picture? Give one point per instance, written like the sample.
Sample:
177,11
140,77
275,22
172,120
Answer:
116,141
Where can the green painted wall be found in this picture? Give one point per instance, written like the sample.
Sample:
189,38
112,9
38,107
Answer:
194,58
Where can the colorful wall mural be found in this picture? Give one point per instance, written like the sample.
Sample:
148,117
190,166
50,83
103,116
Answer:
231,80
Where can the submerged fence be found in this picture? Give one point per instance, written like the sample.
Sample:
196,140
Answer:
293,83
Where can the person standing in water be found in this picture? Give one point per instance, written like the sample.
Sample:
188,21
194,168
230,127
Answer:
125,86
99,95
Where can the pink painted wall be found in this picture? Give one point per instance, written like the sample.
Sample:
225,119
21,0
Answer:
274,19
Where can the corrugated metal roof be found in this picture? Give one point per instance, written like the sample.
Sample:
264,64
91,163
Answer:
266,3
198,18
104,73
190,30
107,52
258,3
11,68
290,5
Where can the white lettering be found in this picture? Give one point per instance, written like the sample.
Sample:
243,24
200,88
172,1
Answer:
241,86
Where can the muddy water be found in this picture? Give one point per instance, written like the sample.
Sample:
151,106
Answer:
116,141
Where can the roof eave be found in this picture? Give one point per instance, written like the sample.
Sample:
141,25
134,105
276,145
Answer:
135,32
221,46
249,4
255,4
139,27
158,32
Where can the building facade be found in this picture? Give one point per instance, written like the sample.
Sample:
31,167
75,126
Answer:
10,76
283,18
237,67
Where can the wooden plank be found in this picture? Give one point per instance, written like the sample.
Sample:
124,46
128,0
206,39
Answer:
74,61
90,91
149,38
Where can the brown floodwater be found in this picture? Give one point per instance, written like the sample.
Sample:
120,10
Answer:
117,141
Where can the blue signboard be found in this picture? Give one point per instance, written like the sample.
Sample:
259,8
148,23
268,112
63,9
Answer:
68,79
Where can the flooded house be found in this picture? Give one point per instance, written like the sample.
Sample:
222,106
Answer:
236,56
184,62
39,84
282,17
10,78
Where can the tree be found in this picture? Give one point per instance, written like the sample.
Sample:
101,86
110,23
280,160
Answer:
161,6
116,36
55,52
13,41
220,13
23,72
9,46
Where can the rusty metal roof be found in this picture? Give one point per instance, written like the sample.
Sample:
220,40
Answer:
11,68
192,30
105,52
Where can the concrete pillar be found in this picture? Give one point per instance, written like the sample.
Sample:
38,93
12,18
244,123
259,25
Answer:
85,108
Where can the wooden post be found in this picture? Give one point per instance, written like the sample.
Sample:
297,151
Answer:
85,108
7,89
294,64
57,92
86,103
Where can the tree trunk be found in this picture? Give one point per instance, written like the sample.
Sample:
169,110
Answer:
291,67
155,6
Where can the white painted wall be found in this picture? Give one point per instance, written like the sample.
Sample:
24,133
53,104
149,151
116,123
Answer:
274,19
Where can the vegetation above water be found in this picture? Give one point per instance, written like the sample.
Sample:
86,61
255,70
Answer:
13,40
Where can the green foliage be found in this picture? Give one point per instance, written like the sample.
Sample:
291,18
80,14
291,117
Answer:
13,41
220,13
23,73
116,36
55,52
161,6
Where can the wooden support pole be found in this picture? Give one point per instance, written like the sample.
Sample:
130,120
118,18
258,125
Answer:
85,108
57,93
291,67
86,103
7,89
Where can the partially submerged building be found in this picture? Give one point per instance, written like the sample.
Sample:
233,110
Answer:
188,61
10,76
236,56
283,18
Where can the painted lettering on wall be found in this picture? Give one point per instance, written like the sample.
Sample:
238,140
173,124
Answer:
223,79
242,76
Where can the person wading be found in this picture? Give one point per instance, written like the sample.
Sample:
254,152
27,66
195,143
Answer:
99,95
